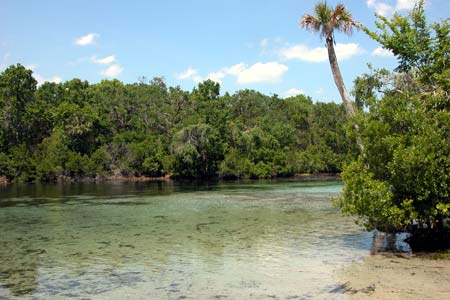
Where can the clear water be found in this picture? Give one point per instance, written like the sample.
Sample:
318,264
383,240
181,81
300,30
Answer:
277,240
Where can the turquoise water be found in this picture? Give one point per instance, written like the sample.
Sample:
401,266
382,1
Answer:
276,240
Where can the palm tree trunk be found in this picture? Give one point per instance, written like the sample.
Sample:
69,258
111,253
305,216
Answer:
341,87
338,77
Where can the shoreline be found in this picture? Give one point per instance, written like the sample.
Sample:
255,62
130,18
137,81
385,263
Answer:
168,178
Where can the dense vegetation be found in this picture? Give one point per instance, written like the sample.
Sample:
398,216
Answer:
76,130
402,182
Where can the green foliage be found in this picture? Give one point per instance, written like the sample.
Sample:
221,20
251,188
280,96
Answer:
100,162
76,165
404,176
207,90
367,87
17,88
146,157
371,199
197,150
50,156
402,181
420,48
19,165
234,165
74,130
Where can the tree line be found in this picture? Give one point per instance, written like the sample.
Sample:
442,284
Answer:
75,130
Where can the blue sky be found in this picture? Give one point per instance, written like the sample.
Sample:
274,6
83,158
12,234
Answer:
255,44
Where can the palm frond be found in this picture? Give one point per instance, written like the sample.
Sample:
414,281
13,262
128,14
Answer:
339,12
341,19
310,22
323,12
326,20
347,27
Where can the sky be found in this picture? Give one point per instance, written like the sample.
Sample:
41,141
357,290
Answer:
242,44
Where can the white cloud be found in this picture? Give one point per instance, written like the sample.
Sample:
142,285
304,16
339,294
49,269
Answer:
31,67
384,9
87,39
293,92
320,54
382,52
320,91
216,76
192,74
189,73
346,51
112,71
103,61
302,52
56,79
262,72
380,8
405,4
197,78
259,72
40,79
235,69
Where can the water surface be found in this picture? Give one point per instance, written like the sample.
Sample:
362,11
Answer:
277,240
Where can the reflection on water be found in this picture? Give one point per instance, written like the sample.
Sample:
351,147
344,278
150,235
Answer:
278,240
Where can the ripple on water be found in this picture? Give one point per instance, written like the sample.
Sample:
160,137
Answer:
256,241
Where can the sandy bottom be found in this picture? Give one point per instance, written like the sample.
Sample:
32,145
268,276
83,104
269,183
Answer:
397,276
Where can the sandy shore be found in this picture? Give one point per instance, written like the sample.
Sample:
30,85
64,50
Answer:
397,276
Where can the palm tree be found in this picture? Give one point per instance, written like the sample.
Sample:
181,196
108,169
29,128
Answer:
325,22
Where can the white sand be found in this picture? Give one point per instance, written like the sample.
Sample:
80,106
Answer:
391,276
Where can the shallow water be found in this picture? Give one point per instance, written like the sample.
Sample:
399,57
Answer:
277,240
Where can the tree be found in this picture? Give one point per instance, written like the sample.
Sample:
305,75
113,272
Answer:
403,182
197,150
207,90
422,50
325,22
17,88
